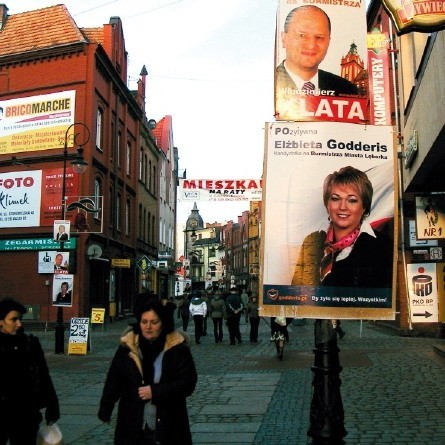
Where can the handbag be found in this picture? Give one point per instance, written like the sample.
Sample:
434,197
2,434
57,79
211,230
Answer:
49,435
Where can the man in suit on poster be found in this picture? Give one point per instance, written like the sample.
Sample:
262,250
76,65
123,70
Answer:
305,38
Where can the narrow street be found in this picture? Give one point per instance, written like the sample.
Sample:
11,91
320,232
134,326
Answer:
392,387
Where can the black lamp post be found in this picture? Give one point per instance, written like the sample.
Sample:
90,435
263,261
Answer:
79,165
326,415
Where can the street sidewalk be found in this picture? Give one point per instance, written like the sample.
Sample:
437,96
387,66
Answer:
393,388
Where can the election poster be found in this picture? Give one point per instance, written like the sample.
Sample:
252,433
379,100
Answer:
328,221
321,62
63,289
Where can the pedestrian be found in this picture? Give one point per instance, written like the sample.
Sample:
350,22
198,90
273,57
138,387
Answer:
253,314
279,334
169,304
336,324
206,297
150,376
245,301
234,308
183,311
218,313
25,383
198,310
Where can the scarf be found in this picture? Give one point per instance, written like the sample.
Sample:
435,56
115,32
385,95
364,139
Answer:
150,351
331,249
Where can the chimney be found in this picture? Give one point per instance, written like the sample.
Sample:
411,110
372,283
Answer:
3,15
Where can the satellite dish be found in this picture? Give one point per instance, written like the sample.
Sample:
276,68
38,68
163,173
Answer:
151,124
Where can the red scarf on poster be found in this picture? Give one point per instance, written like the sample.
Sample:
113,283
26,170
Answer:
331,249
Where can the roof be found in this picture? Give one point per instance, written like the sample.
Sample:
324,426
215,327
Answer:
41,28
162,133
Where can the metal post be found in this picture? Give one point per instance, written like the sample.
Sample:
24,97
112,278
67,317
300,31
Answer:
60,328
327,415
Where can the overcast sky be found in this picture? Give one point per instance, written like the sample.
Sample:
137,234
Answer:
210,66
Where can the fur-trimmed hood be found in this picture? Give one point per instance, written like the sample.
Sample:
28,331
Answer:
130,340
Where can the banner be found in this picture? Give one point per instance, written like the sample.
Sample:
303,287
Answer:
36,123
379,85
20,199
320,62
298,160
220,190
34,199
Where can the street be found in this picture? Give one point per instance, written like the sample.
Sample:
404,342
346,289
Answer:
393,388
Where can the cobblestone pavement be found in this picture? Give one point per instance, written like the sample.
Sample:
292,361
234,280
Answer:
393,388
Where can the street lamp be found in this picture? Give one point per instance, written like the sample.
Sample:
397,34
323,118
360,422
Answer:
79,166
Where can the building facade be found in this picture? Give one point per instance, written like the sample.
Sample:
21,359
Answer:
114,255
418,112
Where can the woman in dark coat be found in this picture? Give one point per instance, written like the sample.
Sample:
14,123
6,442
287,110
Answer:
150,376
25,383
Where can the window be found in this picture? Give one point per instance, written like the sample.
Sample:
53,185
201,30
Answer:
118,211
153,231
140,222
127,217
118,149
97,197
99,128
141,164
148,182
149,228
111,208
128,163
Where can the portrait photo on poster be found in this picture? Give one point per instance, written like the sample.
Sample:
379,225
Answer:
320,53
333,242
62,230
61,262
63,289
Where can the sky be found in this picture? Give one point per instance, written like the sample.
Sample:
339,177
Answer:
210,66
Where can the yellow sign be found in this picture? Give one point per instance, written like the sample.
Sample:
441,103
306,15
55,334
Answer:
98,315
121,262
77,348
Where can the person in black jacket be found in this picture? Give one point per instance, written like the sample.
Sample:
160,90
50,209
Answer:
151,375
25,382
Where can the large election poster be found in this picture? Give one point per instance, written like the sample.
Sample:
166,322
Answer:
328,221
321,61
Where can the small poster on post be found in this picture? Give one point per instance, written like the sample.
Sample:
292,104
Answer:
61,230
78,341
63,290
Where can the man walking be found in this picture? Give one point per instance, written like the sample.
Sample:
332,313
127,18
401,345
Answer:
234,309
